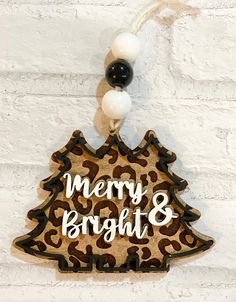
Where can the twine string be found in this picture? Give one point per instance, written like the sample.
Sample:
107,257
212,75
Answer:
143,16
115,125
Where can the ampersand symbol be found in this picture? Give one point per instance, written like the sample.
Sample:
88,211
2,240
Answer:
162,208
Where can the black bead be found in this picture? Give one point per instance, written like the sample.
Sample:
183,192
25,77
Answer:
119,73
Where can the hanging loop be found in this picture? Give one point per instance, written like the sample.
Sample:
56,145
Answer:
115,126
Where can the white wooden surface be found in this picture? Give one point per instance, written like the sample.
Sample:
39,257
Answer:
51,67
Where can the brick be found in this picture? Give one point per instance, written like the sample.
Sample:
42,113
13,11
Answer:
49,84
232,142
203,47
66,2
214,285
214,4
59,39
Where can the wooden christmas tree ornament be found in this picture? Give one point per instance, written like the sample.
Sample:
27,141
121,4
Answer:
114,178
114,209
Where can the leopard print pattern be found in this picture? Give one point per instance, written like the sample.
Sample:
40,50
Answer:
148,164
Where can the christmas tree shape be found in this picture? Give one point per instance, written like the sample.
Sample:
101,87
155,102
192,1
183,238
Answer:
148,164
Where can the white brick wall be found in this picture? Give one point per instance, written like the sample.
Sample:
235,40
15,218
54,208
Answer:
51,63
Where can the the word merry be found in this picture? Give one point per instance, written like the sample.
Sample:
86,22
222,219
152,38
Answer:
104,188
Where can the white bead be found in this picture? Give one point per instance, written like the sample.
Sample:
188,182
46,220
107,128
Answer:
126,46
116,104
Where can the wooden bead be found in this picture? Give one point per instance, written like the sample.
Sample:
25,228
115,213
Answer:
116,104
126,46
119,73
